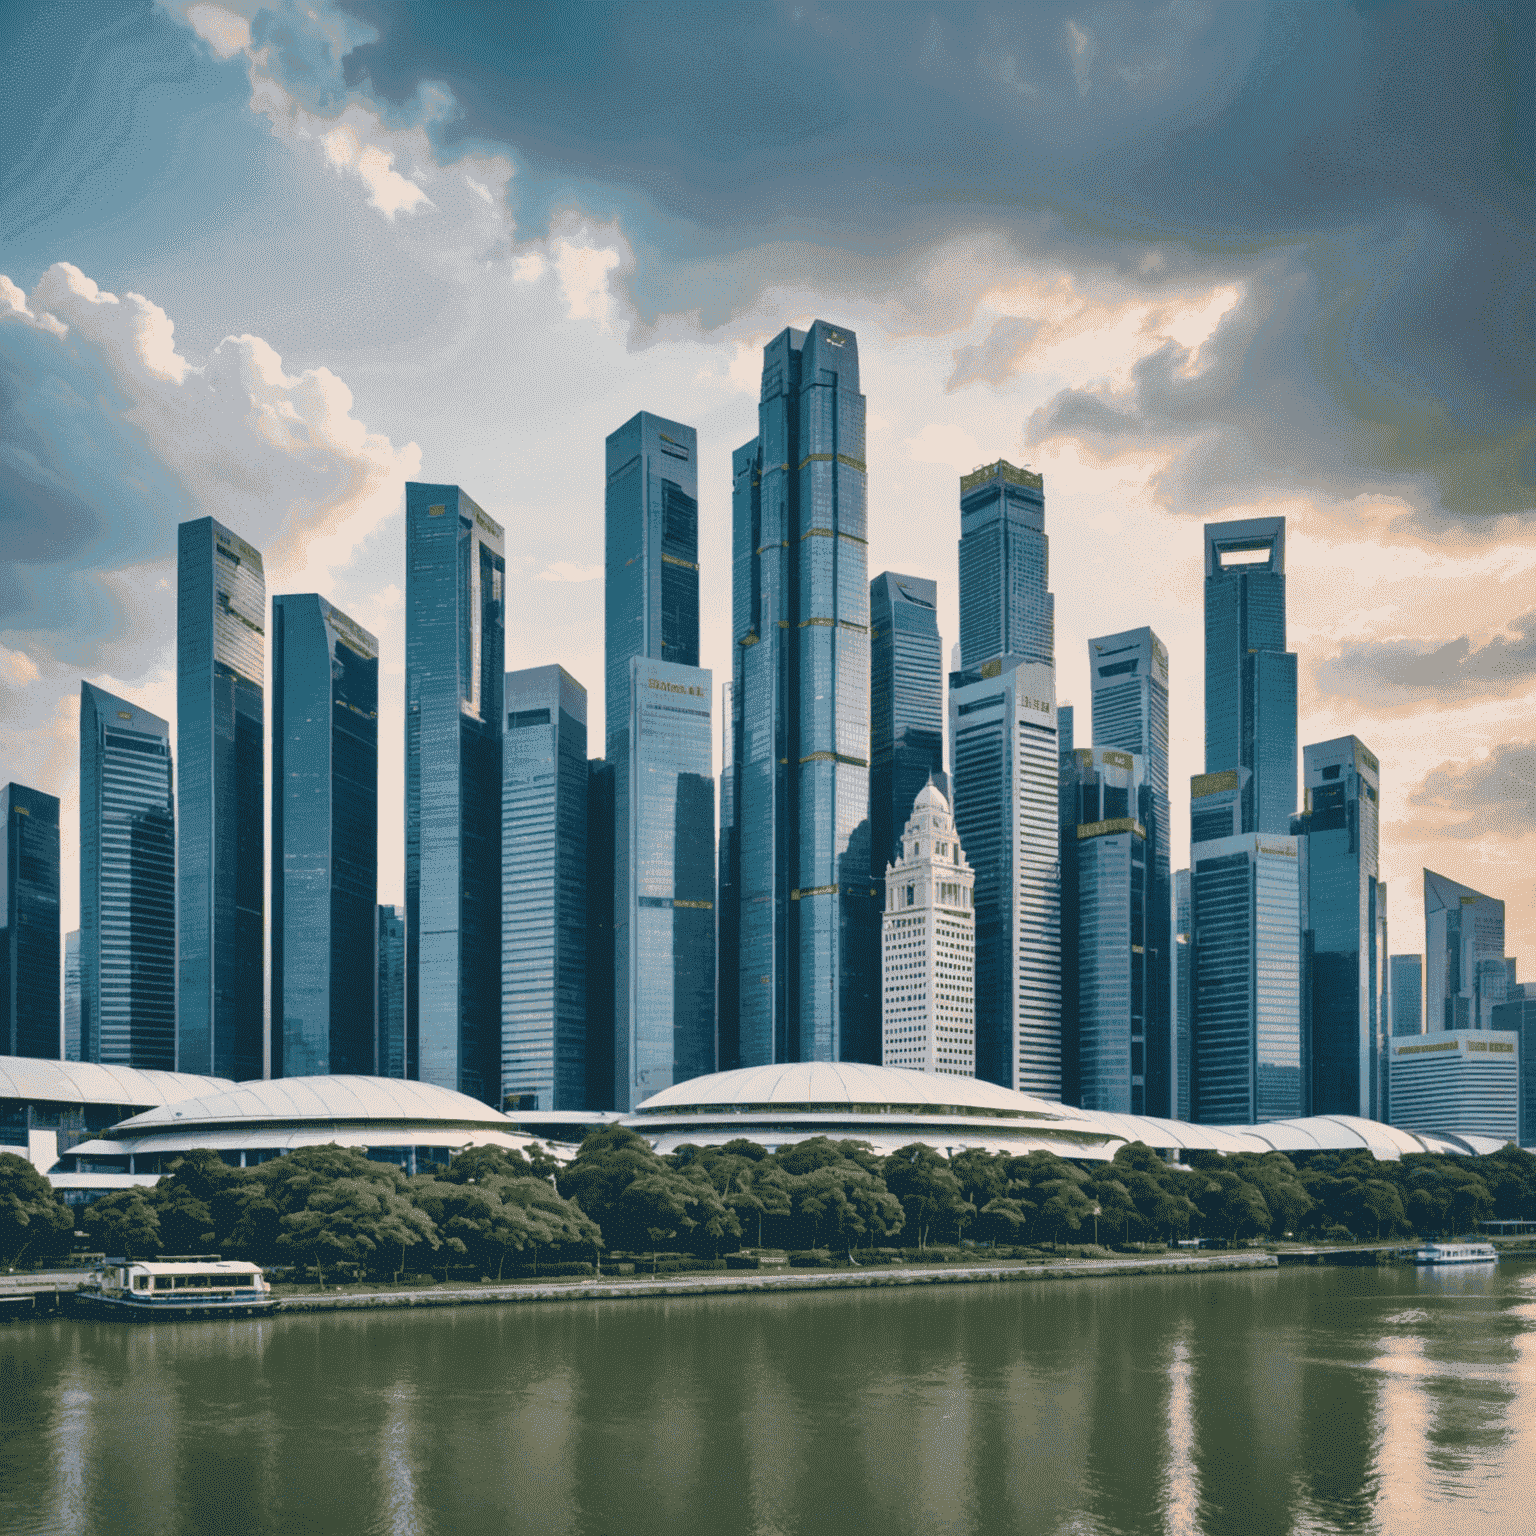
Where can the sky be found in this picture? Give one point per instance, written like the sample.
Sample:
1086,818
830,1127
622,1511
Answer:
1189,262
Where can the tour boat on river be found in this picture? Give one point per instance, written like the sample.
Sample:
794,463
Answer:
174,1288
1457,1253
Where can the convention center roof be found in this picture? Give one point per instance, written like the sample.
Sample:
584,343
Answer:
86,1082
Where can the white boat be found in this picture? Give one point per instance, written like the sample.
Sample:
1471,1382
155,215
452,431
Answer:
1457,1253
176,1288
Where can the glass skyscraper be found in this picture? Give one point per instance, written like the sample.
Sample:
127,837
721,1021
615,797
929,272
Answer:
1006,605
1005,772
1464,971
390,1007
806,905
127,944
455,674
660,745
600,915
221,627
325,838
1250,677
906,691
544,891
1129,674
1342,962
29,908
72,996
1183,980
1247,913
1407,994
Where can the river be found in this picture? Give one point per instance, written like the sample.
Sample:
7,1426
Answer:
1388,1400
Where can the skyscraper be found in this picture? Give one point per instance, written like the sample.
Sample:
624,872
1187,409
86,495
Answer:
72,996
1407,994
1463,937
454,679
1248,909
325,838
221,619
1129,673
127,943
1250,677
1005,770
1341,826
1006,605
1183,981
600,914
807,905
727,909
928,947
390,1007
29,909
659,716
544,891
906,690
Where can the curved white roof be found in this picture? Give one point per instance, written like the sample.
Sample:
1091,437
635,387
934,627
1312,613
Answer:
88,1082
931,798
295,1100
839,1085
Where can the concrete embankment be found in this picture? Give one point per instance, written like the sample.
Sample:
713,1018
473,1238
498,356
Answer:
715,1284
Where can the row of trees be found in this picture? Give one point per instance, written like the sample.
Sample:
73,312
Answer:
495,1211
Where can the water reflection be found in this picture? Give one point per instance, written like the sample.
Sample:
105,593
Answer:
1311,1400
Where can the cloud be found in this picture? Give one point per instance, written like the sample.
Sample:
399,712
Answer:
1493,795
568,570
997,359
1396,671
225,33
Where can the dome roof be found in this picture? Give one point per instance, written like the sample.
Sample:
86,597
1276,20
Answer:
931,798
340,1098
88,1082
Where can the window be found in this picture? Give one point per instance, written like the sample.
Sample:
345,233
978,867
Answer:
911,895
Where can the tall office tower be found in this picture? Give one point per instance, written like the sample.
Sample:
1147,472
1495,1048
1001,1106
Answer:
544,891
1462,929
1407,994
1065,734
600,914
928,948
1250,677
1341,826
72,996
1216,805
127,943
806,902
1183,977
454,679
1248,908
1383,1005
1518,1017
906,693
1108,967
1006,606
29,939
221,627
727,909
325,838
1005,771
1129,673
390,1004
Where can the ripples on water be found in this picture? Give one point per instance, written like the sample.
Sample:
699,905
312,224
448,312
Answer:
1310,1400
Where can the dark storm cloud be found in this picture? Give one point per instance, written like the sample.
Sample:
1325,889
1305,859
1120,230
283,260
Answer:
1496,795
1387,672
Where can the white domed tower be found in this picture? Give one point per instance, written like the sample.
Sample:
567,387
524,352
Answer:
929,947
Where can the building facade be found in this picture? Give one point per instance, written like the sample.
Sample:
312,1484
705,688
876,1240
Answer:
1129,675
906,692
806,901
601,980
221,627
325,838
389,1008
1407,994
1518,1017
127,939
454,678
544,891
72,996
1464,971
1342,958
30,938
1247,901
1005,772
1457,1082
1183,980
1250,677
1006,605
928,947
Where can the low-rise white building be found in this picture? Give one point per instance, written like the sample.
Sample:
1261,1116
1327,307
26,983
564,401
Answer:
1457,1082
928,947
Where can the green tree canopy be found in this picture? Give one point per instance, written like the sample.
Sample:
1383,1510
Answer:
125,1224
34,1222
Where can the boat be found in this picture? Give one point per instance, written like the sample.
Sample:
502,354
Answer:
176,1288
1457,1253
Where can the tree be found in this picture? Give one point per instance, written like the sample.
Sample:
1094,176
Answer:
186,1223
1231,1206
608,1161
1064,1208
1005,1219
124,1223
659,1205
769,1194
927,1189
32,1217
